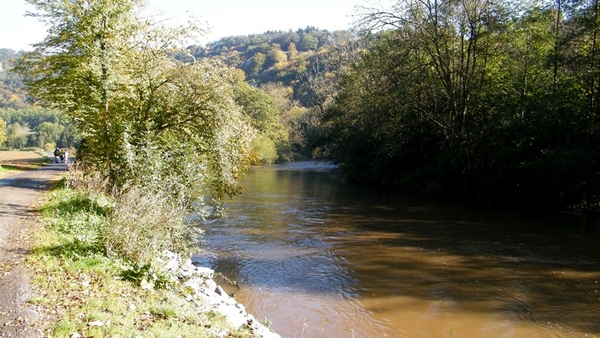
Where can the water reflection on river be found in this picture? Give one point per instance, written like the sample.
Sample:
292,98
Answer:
322,259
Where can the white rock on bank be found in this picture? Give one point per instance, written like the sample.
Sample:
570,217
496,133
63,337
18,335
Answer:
199,279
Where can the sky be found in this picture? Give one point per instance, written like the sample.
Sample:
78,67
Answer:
225,17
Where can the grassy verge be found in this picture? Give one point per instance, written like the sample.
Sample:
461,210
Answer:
9,170
88,294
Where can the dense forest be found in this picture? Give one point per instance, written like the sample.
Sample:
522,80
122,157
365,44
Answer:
473,100
491,102
481,100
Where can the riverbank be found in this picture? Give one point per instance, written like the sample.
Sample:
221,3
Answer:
56,279
209,297
84,293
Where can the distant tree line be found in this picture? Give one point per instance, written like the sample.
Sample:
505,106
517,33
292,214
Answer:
272,56
37,127
475,99
25,124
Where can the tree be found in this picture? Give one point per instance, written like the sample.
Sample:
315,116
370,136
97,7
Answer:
16,136
264,116
47,132
307,41
161,132
297,121
431,68
111,72
277,58
255,64
3,137
475,99
69,137
292,51
378,127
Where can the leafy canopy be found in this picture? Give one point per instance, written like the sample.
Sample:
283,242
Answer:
137,107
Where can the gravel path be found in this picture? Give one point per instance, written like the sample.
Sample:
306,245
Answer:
18,195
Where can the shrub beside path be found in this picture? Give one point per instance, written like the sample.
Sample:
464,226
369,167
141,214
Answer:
18,195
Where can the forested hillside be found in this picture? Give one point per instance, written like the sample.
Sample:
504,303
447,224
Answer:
12,93
299,70
290,77
277,57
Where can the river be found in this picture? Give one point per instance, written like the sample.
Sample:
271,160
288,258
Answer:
319,258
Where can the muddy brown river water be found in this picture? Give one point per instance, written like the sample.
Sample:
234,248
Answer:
318,258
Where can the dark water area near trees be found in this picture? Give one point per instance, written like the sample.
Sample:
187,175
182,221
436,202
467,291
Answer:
319,258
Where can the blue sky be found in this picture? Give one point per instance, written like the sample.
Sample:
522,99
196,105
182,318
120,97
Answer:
226,17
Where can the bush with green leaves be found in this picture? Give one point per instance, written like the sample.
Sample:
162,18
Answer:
112,72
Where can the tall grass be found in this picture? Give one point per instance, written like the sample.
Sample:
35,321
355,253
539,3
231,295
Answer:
140,221
145,222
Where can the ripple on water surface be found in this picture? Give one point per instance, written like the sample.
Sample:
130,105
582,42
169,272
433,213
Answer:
320,259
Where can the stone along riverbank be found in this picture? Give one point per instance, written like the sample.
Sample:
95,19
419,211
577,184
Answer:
208,296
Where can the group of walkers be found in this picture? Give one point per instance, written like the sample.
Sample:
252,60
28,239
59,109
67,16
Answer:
61,155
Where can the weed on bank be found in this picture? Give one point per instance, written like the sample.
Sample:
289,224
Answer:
86,291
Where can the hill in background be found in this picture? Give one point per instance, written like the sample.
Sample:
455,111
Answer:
297,69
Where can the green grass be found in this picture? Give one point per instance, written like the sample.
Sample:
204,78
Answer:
84,290
14,169
8,170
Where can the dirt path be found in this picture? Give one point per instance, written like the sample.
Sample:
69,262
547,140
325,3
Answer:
17,219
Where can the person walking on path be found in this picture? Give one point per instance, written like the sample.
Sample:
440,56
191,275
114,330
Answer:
17,218
56,155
